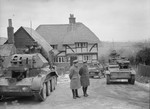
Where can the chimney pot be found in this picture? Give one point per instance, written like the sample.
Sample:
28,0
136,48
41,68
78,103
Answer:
72,19
9,22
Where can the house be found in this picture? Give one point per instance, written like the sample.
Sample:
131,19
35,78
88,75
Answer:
70,41
26,37
8,48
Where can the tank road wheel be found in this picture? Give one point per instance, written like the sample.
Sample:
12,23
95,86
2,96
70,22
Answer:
53,83
132,79
44,92
41,96
48,88
129,81
55,80
108,79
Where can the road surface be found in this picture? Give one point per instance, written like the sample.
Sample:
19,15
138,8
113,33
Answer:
118,95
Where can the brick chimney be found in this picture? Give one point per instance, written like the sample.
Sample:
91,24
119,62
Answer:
10,32
72,19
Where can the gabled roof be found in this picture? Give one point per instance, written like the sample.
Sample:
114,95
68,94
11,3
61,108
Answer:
38,38
67,33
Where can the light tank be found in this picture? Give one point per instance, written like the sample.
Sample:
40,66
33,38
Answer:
30,74
121,70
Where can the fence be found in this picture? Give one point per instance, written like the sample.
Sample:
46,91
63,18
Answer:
144,70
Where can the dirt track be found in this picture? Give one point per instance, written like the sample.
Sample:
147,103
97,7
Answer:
118,95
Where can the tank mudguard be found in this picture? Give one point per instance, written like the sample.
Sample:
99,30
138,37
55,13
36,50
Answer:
55,72
37,83
52,71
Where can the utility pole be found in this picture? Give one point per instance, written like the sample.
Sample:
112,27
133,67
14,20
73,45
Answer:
31,27
113,44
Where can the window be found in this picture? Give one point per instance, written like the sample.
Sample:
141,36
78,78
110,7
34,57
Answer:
63,59
87,57
59,59
84,45
78,45
54,46
81,44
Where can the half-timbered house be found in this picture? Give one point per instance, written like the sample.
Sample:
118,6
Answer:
71,41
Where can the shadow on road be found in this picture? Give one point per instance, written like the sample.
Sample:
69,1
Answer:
117,83
19,100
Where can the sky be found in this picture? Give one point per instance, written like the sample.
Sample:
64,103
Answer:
110,20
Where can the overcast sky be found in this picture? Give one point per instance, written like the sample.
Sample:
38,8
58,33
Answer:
110,20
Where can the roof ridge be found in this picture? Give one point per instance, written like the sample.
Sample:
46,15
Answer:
58,24
27,27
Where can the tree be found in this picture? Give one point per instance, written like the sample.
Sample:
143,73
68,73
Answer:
143,56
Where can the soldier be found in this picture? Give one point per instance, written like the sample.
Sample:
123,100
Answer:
75,79
85,82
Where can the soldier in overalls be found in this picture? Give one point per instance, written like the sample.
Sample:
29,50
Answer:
75,79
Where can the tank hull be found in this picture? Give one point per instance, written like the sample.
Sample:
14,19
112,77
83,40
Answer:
26,87
15,93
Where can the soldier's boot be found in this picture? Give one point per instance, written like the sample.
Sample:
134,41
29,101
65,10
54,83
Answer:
73,93
76,92
86,92
83,88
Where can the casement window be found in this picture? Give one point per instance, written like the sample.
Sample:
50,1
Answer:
86,57
56,59
81,44
59,59
84,45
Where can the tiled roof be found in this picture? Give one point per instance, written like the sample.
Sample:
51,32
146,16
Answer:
38,38
67,33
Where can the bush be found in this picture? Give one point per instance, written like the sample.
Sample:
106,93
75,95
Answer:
143,56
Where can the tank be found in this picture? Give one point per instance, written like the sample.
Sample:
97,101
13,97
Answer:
30,74
113,57
121,70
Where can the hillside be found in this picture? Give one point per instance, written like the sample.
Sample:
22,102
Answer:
123,48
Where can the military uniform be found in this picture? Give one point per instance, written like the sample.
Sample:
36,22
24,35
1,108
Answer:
84,76
85,82
75,79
